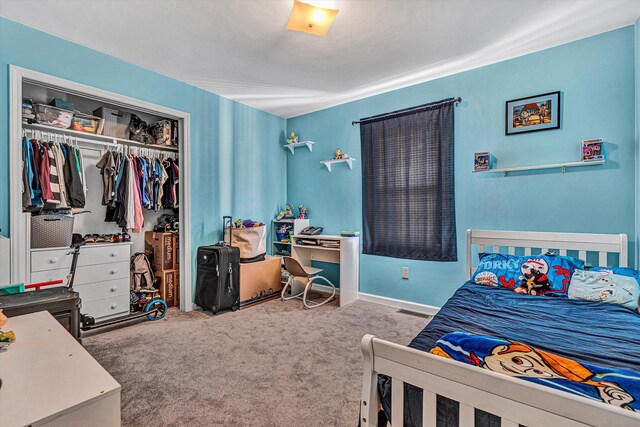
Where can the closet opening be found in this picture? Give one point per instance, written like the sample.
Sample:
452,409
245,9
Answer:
107,168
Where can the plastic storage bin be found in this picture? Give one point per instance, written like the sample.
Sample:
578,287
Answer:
61,103
51,231
84,122
116,122
53,116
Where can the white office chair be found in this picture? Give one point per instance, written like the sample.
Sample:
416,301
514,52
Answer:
295,269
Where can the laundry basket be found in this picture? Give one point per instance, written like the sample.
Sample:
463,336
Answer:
52,230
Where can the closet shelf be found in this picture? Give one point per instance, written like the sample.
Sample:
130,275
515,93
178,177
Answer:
504,171
308,144
328,163
93,136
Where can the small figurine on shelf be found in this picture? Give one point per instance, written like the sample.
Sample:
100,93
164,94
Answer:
592,150
338,154
287,213
482,162
303,213
292,139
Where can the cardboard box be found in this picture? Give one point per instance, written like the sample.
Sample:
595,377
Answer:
259,281
168,283
160,249
177,292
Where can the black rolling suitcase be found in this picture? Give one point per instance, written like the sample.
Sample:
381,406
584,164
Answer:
218,277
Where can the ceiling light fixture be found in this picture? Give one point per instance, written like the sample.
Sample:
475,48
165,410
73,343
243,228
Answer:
310,19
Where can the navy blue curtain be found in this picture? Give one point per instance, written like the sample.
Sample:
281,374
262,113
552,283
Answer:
408,203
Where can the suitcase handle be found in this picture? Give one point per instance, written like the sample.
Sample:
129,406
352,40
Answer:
227,221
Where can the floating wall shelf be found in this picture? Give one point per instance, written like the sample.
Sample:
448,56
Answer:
504,171
348,161
308,144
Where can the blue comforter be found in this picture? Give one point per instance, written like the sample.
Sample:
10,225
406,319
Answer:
588,332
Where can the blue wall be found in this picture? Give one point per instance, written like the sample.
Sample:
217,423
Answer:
236,162
596,77
636,28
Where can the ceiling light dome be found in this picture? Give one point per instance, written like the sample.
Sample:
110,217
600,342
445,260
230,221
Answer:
310,19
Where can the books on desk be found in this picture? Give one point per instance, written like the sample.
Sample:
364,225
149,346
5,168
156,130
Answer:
329,243
324,243
307,242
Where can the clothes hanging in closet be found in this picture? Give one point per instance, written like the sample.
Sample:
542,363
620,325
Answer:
132,183
53,175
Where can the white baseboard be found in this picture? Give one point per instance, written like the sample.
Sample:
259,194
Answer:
429,310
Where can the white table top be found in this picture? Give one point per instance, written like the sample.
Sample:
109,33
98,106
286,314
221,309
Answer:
46,372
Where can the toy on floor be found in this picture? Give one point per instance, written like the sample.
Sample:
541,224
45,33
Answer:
6,338
148,300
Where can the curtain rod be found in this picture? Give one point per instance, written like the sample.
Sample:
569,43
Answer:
406,110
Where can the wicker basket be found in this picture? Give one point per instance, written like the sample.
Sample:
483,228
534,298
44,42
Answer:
116,122
51,230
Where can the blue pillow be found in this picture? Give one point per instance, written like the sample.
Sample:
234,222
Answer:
534,275
603,286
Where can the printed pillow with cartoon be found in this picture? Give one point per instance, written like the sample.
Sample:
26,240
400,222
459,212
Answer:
622,271
533,275
602,286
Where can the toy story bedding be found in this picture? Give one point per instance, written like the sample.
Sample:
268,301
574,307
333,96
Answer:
596,342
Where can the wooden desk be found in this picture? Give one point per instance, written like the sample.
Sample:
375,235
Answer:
48,379
346,255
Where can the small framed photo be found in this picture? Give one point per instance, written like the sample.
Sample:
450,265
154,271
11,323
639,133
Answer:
481,162
532,114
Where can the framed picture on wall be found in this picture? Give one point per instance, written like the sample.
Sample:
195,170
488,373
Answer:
533,113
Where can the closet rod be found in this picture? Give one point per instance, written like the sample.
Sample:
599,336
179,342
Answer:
35,132
76,134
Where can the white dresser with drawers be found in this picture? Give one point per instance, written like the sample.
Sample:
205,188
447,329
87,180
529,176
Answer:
102,275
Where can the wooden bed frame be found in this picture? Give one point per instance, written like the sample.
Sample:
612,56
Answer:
514,400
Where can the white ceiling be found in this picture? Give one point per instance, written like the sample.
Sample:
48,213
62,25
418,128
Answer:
240,49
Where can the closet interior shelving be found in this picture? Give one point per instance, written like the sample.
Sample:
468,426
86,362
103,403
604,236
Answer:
92,137
103,269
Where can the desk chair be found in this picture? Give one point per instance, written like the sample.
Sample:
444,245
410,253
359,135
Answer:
295,269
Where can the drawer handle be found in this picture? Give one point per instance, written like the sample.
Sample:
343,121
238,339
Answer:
114,288
113,254
52,261
113,306
112,272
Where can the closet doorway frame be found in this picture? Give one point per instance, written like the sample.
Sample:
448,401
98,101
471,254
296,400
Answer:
19,230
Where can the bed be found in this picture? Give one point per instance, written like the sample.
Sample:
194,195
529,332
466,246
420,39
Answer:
417,388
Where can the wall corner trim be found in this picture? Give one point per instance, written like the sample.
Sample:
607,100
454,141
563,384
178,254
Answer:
396,303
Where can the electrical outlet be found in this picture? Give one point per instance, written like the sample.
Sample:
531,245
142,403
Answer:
405,273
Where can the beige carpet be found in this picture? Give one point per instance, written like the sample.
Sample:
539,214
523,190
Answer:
270,365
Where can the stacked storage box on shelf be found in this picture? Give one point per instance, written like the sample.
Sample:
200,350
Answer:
162,250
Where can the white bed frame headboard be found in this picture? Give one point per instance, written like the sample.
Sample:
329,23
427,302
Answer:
583,243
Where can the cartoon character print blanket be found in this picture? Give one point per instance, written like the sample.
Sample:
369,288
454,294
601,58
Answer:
618,387
533,275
